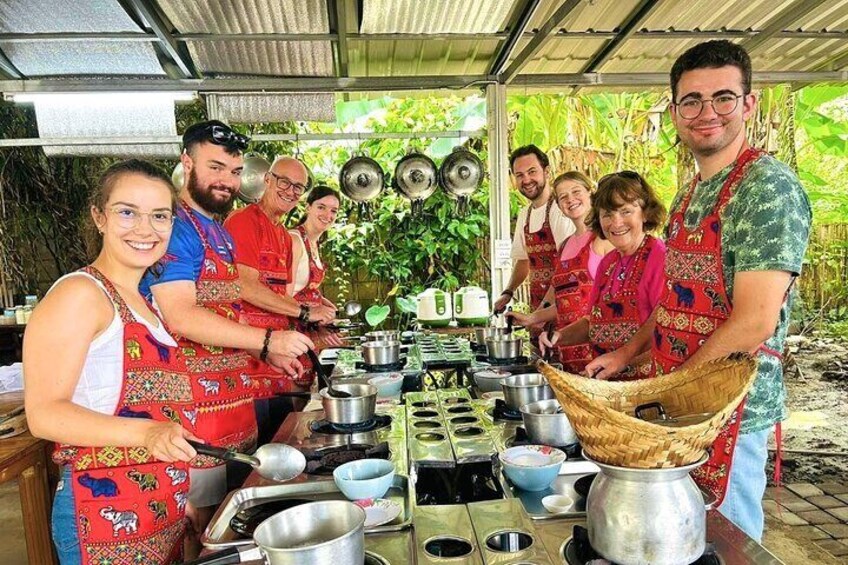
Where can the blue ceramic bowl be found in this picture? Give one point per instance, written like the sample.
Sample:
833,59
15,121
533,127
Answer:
531,467
388,386
365,478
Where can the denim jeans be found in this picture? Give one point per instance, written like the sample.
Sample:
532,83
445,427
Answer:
63,522
743,503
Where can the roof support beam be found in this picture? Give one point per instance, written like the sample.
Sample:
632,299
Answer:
639,14
517,26
539,40
146,11
8,69
338,25
794,12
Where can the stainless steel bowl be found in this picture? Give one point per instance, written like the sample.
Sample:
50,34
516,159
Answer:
503,347
381,352
482,334
359,407
526,388
384,335
329,531
489,380
546,423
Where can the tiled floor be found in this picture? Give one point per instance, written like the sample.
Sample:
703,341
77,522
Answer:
818,513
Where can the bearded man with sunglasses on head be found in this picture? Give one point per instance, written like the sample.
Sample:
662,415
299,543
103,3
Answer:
197,289
736,240
265,265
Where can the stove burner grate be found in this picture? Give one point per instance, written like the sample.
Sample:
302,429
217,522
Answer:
388,368
502,412
375,423
520,360
578,551
573,451
324,461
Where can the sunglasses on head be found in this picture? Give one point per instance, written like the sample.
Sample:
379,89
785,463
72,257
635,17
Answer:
222,135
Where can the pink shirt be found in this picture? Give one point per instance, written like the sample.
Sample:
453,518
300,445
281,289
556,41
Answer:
651,285
572,247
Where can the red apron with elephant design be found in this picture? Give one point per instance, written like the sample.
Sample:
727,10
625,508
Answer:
130,507
309,295
614,318
542,253
572,286
219,375
694,303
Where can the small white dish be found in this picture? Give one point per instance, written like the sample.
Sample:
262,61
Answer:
379,511
557,503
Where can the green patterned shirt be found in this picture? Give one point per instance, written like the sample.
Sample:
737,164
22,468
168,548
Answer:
765,227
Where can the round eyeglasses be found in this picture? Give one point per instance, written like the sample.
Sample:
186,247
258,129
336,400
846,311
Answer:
283,183
723,104
162,221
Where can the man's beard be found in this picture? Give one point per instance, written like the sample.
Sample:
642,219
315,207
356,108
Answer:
537,189
204,198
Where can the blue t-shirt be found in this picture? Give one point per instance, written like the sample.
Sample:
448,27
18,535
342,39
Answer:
184,257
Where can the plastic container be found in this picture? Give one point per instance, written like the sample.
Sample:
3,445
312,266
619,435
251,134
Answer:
20,315
30,300
27,313
8,318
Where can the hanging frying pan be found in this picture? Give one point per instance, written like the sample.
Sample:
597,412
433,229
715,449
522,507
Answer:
361,179
178,176
253,179
460,175
416,178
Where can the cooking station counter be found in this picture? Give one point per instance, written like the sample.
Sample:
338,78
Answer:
458,507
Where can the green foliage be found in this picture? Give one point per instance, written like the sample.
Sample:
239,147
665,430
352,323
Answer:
377,314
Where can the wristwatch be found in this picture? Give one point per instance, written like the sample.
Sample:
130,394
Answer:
304,313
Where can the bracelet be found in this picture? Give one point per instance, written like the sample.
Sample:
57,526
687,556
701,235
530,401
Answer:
508,293
263,355
304,313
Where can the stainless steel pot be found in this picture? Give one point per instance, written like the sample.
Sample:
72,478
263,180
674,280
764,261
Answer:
523,389
489,380
381,352
546,423
647,516
461,173
384,335
359,407
416,176
482,334
329,531
503,347
361,179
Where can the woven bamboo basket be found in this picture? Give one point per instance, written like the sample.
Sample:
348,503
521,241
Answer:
602,412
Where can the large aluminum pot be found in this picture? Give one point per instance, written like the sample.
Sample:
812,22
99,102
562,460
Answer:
383,335
328,531
376,353
357,408
526,388
484,333
503,347
647,516
546,423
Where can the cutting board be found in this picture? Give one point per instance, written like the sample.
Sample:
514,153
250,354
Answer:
12,418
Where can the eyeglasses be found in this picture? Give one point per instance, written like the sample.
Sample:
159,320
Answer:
162,221
283,183
225,136
723,104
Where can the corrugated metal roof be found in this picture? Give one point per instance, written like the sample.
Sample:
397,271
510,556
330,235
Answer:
245,57
36,58
433,16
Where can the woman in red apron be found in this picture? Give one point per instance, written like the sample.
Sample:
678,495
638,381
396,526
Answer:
322,207
104,381
629,279
697,295
578,260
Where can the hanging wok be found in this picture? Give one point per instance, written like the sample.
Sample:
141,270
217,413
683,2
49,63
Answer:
460,175
416,178
361,179
253,179
178,176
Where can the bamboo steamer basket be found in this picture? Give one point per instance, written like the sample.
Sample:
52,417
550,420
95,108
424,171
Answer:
602,412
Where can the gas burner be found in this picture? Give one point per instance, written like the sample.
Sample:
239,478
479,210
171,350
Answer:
578,551
325,461
389,368
573,451
375,423
502,412
520,360
479,348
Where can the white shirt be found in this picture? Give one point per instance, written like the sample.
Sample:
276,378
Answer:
561,226
301,270
102,376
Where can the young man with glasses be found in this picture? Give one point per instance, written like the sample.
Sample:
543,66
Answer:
736,240
196,288
264,260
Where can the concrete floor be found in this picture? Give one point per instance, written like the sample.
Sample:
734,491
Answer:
12,544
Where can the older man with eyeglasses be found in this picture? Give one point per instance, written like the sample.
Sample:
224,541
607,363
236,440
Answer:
264,259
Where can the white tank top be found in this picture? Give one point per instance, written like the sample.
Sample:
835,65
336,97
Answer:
102,376
301,270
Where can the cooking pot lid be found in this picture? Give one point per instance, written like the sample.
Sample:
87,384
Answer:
253,179
361,179
416,176
461,172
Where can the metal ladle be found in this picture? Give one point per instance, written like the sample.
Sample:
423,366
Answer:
351,309
274,461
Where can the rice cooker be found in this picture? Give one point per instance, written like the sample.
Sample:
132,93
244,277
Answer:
471,306
434,308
